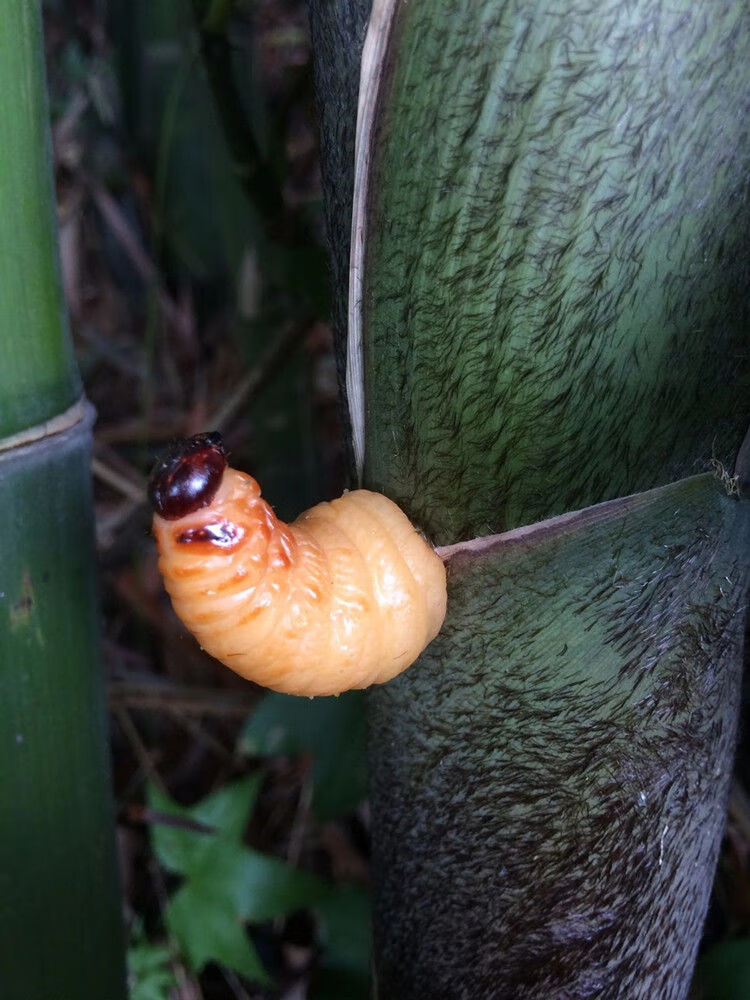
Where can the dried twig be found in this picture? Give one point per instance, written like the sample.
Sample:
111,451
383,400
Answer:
117,481
233,981
299,824
131,244
202,735
108,524
259,375
155,817
139,748
159,696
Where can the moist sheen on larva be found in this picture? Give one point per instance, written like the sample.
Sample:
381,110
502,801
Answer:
347,596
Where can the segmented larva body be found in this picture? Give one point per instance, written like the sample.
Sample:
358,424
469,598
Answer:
347,596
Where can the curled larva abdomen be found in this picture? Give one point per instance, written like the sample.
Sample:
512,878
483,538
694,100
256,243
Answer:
347,596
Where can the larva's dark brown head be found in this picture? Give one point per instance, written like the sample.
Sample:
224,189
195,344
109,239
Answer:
187,476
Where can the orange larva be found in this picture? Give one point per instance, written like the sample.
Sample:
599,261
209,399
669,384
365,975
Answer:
347,596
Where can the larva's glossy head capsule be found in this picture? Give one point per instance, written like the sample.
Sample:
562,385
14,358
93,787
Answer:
187,476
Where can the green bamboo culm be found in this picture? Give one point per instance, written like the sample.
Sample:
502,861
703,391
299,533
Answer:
38,376
554,317
60,919
558,239
551,778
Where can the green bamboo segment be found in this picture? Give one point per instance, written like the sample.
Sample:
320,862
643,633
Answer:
549,780
555,298
60,928
60,917
554,314
38,377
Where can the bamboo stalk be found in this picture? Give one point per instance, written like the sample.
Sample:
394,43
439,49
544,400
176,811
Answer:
60,927
546,308
38,377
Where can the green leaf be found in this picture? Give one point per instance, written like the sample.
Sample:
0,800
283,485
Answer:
228,809
226,883
205,222
207,929
149,973
331,730
226,812
724,971
259,887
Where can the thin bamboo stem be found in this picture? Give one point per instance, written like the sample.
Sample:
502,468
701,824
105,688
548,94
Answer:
60,925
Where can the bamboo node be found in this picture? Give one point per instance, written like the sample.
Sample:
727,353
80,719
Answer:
80,411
